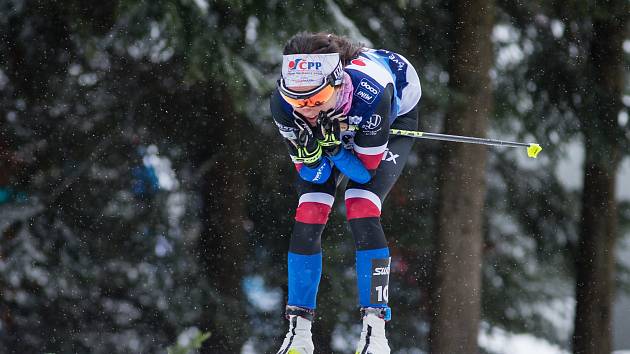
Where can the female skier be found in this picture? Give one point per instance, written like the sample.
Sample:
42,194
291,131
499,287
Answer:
334,105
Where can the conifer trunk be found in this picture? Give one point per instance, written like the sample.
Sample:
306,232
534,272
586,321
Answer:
595,263
456,288
222,244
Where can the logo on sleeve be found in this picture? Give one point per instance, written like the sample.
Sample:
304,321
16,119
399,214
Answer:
358,62
367,91
397,60
372,123
372,126
354,120
287,132
319,173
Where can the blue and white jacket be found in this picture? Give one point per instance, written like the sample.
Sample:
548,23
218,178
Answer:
385,86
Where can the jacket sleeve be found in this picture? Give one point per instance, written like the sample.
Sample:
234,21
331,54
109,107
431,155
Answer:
370,142
316,172
351,166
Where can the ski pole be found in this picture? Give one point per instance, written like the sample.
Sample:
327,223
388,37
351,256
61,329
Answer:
532,148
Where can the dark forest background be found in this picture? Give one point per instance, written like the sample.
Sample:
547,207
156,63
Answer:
146,196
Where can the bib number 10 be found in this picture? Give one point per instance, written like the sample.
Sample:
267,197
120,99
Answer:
382,293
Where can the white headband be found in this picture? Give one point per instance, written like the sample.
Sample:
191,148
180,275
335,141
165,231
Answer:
310,69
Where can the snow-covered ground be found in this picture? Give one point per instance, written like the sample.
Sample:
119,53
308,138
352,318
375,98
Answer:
498,341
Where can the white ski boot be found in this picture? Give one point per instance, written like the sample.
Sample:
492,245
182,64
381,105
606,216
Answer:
373,339
299,338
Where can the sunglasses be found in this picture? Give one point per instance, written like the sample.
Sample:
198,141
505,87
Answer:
318,98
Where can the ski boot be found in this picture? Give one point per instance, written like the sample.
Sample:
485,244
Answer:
373,339
299,339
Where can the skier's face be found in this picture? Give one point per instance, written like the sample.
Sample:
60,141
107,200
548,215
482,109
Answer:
311,113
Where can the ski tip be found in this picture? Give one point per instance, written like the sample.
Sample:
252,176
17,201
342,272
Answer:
533,150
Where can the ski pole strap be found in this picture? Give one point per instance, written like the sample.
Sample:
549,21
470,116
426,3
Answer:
309,314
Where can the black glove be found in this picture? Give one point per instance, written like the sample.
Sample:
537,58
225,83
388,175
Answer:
309,151
329,132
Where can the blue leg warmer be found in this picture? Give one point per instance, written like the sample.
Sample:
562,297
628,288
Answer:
373,277
305,272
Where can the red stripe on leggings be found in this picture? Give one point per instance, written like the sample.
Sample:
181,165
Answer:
370,162
312,213
361,208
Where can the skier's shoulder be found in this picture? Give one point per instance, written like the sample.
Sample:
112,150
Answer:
282,114
369,81
395,62
393,69
367,73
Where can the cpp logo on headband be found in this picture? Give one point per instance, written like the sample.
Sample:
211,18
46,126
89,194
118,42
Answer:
309,69
301,64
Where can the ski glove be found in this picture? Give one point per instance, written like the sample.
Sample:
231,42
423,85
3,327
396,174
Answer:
309,152
316,169
328,131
